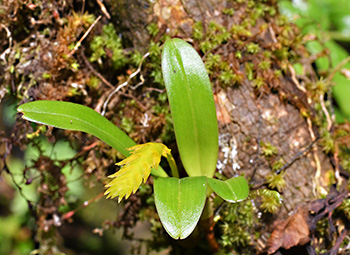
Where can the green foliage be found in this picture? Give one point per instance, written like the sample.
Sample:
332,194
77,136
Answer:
277,164
193,110
232,190
197,33
237,222
276,181
270,200
153,29
127,124
92,82
265,64
253,48
215,36
108,41
268,149
192,107
327,20
249,70
228,11
345,207
227,77
180,203
155,56
77,117
212,62
258,82
327,142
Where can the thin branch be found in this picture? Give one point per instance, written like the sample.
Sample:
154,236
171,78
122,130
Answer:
84,36
7,51
157,90
316,158
103,9
103,79
335,248
337,68
125,84
294,79
83,7
296,157
326,113
258,145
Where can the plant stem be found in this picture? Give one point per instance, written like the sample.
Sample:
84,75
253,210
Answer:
208,210
173,167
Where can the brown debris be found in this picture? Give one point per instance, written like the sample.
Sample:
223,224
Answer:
291,232
297,229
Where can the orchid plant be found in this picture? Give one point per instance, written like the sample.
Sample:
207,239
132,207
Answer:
179,201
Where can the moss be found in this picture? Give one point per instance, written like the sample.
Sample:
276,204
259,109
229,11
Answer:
327,142
228,11
108,45
270,200
235,226
276,181
197,31
153,29
268,149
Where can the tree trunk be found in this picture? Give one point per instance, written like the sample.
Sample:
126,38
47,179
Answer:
269,125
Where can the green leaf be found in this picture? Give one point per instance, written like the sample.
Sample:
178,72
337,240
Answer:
77,117
192,107
137,168
232,190
180,203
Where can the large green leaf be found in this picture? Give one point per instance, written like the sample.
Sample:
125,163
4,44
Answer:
77,117
232,190
192,107
180,203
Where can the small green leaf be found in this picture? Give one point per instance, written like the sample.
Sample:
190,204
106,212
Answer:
180,203
137,168
192,106
232,190
77,117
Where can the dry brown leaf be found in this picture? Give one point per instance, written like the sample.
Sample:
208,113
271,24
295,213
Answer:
291,232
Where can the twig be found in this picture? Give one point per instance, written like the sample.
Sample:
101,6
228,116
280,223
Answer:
125,84
296,157
335,248
143,107
334,203
103,9
8,33
258,145
329,126
85,204
325,111
83,7
316,158
157,90
294,79
84,36
103,79
337,68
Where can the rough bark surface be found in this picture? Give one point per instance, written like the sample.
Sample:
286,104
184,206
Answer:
280,112
246,119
